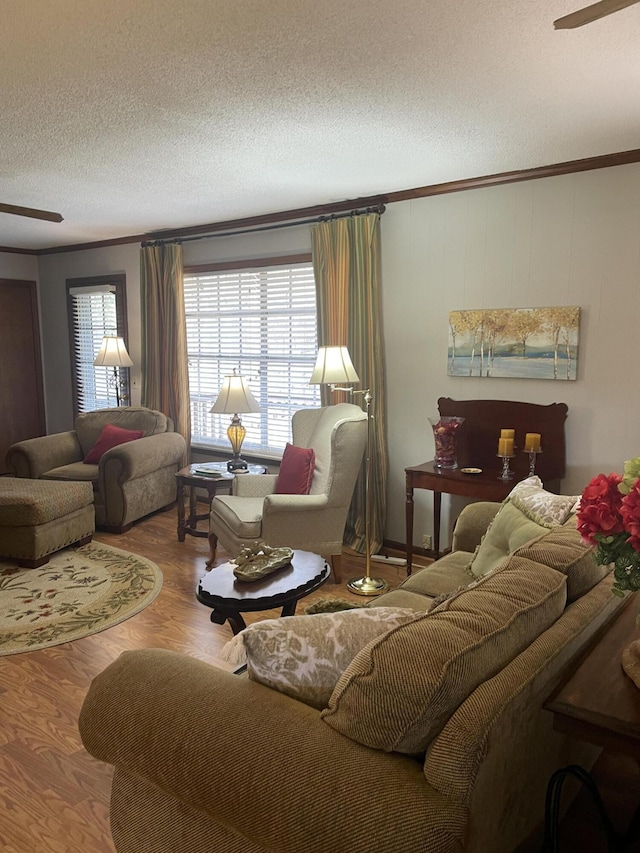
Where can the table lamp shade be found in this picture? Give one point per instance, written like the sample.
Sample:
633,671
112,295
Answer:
113,353
333,366
235,398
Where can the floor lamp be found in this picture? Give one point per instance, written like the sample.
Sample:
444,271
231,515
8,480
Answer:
113,353
333,368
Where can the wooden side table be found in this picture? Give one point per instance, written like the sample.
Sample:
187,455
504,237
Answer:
228,597
190,477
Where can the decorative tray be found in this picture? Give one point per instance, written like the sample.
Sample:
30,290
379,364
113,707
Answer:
254,564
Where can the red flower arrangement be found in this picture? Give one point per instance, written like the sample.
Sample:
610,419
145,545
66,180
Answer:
609,518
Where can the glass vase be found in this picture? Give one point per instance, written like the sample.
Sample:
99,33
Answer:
444,435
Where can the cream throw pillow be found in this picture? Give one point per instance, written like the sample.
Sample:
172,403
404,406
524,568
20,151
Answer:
303,656
543,507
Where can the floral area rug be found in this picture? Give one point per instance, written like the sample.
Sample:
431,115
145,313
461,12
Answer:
80,591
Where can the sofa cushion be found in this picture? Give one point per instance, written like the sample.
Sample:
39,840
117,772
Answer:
296,470
441,577
111,436
303,656
564,550
404,598
243,516
509,530
74,471
399,691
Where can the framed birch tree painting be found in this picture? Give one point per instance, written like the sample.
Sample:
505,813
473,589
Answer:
518,343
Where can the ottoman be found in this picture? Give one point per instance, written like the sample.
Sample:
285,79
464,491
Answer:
38,517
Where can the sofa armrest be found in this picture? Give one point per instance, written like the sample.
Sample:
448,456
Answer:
243,754
472,524
143,456
254,485
32,457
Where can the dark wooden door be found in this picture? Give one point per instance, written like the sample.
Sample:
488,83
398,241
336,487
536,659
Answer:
21,394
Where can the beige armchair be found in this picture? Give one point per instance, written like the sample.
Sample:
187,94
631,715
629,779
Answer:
130,480
313,522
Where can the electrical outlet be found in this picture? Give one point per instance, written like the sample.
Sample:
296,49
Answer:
426,541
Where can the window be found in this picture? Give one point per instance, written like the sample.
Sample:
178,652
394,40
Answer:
97,307
260,321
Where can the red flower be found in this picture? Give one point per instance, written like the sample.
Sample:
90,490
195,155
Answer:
600,507
630,512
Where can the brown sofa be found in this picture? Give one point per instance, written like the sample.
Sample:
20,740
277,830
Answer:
130,481
434,738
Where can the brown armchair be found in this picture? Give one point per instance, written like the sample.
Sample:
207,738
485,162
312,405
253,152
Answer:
130,481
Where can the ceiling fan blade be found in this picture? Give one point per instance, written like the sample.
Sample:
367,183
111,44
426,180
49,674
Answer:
592,13
31,212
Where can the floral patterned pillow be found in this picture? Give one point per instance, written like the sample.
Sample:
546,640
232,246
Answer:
543,507
303,656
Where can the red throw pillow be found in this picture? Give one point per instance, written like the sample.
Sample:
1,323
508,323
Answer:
296,470
110,436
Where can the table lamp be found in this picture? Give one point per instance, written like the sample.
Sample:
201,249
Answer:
334,366
235,398
113,353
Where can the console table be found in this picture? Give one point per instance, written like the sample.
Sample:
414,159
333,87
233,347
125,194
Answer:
477,444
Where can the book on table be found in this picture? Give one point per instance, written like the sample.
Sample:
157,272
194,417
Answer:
212,469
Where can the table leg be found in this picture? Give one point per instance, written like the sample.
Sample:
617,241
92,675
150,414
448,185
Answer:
180,499
437,506
233,617
192,521
409,524
289,609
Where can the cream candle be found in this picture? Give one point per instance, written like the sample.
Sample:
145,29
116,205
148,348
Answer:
505,447
532,442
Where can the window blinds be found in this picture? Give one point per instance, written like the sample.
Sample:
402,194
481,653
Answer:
93,315
262,322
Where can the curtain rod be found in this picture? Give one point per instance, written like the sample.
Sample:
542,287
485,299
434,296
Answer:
380,209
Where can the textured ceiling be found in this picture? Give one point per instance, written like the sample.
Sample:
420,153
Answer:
138,115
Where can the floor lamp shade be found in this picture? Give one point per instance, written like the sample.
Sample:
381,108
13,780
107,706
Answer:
235,398
333,366
113,353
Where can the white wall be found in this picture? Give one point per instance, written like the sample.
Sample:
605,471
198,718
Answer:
23,267
570,240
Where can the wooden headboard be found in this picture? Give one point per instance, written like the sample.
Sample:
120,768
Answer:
477,443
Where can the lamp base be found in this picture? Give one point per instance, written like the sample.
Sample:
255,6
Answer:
367,586
237,464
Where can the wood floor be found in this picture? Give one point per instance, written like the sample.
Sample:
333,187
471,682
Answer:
54,798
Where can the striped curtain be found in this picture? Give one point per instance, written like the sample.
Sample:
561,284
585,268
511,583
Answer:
346,263
165,373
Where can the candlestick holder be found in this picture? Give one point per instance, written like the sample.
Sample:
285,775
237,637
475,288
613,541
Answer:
532,461
507,473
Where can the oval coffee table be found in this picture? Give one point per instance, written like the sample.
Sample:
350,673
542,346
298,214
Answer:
228,597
